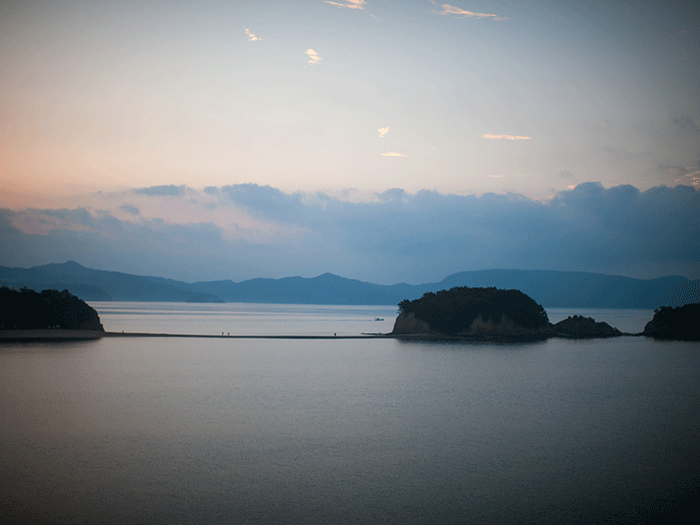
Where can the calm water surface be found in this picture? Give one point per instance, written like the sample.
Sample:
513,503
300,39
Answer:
150,430
245,318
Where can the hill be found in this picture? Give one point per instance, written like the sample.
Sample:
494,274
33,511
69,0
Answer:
557,289
553,289
100,285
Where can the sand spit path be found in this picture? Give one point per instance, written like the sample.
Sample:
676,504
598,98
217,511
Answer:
14,336
8,336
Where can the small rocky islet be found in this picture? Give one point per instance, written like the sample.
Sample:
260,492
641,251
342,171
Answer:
579,327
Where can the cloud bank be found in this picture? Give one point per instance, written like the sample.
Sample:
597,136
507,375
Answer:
394,237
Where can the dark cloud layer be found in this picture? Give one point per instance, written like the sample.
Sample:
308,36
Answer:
80,216
267,202
398,237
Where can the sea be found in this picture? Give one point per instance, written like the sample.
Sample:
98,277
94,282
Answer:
158,430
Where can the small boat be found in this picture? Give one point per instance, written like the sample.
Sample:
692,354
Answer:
378,319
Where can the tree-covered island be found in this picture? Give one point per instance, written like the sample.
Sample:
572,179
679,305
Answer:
27,309
474,312
680,323
489,313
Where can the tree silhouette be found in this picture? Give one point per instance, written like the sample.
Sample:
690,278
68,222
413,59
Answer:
27,309
453,311
681,322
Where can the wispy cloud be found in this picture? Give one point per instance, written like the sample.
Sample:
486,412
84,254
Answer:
313,56
505,137
685,174
251,36
383,131
349,4
685,123
394,154
169,190
128,208
448,9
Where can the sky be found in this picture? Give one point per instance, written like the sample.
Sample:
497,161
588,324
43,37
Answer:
383,140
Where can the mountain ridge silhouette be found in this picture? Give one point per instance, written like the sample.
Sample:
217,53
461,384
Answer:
551,288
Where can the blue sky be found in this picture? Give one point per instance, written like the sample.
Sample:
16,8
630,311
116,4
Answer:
383,140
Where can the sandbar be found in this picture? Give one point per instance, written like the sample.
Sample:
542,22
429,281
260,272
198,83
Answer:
11,336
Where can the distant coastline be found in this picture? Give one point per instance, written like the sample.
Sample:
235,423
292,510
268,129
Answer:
553,289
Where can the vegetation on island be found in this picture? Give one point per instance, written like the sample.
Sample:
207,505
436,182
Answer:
682,323
455,311
26,309
580,327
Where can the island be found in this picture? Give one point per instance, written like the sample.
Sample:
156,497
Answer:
27,313
679,323
481,313
579,327
489,314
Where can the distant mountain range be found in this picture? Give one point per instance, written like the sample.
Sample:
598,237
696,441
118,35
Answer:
551,289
